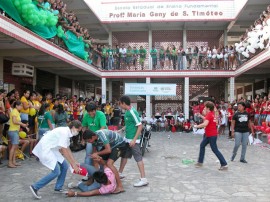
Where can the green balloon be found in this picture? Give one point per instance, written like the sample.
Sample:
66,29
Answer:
17,3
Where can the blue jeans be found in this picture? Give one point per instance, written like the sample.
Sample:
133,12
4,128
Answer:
24,117
180,63
41,132
88,150
110,63
95,185
240,138
213,145
59,172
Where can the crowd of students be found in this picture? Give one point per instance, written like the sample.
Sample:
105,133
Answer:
256,38
193,58
44,121
25,118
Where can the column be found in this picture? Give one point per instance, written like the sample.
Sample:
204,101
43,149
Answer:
232,87
184,39
150,43
56,85
186,97
2,69
110,38
73,88
225,35
252,90
110,91
244,92
103,90
265,86
35,79
226,91
147,100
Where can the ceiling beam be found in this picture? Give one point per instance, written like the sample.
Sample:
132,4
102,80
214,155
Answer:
58,68
21,52
50,64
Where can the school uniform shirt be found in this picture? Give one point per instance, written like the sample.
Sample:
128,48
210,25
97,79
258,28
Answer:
107,189
152,120
96,122
132,121
230,114
180,119
241,122
24,100
12,126
108,137
211,128
47,149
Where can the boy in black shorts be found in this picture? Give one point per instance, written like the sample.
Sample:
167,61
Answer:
108,145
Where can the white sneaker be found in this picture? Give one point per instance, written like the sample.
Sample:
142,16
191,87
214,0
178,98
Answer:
121,175
72,185
142,182
85,178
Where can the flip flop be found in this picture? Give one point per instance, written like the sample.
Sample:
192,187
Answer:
11,166
122,191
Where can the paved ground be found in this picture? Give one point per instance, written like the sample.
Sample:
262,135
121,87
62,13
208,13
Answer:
169,178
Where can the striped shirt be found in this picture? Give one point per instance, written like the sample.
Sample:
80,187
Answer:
106,136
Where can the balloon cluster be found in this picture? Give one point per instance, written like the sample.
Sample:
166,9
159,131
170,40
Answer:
31,14
60,32
255,40
86,56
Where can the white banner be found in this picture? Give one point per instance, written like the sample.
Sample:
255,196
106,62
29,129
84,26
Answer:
115,11
150,89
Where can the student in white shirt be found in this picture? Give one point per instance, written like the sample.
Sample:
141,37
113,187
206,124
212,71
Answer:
163,123
143,119
123,52
52,150
153,122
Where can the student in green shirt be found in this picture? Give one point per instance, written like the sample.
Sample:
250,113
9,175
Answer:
162,57
129,56
168,57
45,120
110,53
174,56
117,57
93,120
142,52
153,54
133,128
103,56
135,53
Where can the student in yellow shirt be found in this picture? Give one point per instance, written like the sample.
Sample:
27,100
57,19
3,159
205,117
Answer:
32,120
13,132
49,100
107,112
26,105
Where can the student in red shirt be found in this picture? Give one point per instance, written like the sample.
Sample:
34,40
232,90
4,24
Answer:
210,137
230,115
187,126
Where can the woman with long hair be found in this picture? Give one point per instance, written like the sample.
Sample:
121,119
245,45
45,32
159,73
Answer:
61,117
13,132
45,120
